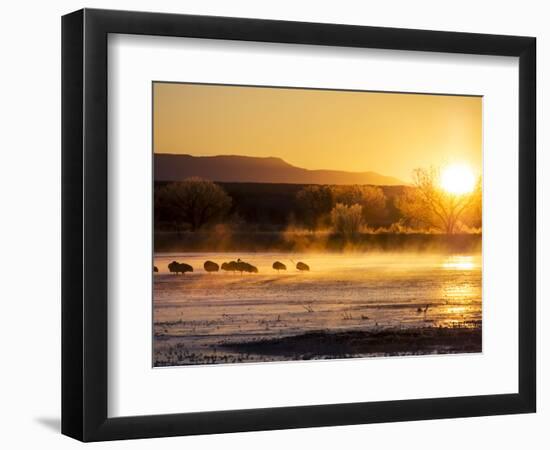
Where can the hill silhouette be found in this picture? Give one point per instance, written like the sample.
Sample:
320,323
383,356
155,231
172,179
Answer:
249,169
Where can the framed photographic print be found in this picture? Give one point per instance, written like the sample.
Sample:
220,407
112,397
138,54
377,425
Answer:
272,224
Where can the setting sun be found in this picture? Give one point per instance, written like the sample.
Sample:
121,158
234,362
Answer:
457,179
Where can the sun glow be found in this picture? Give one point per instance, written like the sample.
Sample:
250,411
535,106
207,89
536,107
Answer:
457,179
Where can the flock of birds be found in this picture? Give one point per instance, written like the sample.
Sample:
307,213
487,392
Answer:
242,267
231,266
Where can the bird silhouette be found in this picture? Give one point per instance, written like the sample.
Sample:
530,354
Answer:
176,267
277,265
211,266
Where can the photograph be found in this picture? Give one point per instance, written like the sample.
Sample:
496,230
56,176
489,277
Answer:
297,224
272,224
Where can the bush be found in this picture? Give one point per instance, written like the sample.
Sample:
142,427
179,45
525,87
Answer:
371,198
347,220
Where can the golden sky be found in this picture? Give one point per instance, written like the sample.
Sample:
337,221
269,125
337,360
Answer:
388,133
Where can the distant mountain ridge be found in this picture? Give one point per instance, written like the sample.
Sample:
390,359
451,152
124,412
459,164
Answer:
233,168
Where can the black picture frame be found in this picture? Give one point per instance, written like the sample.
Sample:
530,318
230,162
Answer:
84,224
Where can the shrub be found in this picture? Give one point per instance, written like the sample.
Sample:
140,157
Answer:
346,220
371,198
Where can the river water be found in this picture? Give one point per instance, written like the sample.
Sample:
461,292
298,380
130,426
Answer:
353,291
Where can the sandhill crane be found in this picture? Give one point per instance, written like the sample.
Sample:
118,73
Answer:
155,269
246,267
176,267
230,266
277,265
211,266
239,266
225,266
302,266
243,266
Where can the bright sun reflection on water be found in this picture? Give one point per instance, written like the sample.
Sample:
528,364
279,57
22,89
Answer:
457,309
459,263
459,291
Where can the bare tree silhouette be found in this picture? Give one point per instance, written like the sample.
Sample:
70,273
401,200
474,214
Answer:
195,202
428,204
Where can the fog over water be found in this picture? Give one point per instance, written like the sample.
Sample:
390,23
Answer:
351,291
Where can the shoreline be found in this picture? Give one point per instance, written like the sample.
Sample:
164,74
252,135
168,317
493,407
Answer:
322,345
427,340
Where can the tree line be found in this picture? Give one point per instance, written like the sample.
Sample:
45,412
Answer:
196,204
